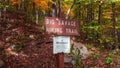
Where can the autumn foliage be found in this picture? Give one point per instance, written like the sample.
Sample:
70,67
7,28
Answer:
14,2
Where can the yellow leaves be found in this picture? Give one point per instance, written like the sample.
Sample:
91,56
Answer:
65,8
106,39
14,2
115,0
107,14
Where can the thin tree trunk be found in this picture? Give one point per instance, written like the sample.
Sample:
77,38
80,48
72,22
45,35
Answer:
26,5
54,12
16,6
79,12
33,8
5,2
87,12
22,5
84,14
90,12
100,12
49,11
114,23
37,16
59,8
0,12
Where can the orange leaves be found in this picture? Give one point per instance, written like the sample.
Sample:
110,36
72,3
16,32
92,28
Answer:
14,2
42,4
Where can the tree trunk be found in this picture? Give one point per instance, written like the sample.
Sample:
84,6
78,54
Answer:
90,12
54,11
33,8
59,8
0,12
37,16
114,24
5,2
22,5
100,12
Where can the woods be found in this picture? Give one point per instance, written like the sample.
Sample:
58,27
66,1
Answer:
22,30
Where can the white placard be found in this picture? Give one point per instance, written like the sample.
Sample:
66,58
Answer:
61,44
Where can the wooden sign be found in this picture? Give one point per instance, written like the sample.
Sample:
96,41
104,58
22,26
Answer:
64,28
59,26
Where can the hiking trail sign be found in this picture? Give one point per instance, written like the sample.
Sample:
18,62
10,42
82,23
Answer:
59,26
62,29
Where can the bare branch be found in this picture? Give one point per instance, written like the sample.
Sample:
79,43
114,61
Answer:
68,12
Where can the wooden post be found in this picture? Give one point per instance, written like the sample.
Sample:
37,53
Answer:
60,60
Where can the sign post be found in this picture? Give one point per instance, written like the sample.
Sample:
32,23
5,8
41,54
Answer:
60,60
61,45
62,29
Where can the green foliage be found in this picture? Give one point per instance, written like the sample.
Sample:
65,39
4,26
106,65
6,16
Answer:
18,47
1,5
95,56
77,56
78,59
106,40
109,60
68,1
30,17
92,31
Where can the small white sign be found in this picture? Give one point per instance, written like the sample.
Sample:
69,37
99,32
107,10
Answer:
61,44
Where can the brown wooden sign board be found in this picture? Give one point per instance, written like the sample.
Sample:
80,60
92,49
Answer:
59,26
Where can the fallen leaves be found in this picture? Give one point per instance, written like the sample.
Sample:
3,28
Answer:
30,37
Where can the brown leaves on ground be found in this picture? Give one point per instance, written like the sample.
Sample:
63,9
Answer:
23,45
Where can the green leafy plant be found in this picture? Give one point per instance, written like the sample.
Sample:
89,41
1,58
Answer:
109,60
78,59
76,55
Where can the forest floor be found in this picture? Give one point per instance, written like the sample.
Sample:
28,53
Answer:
24,45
